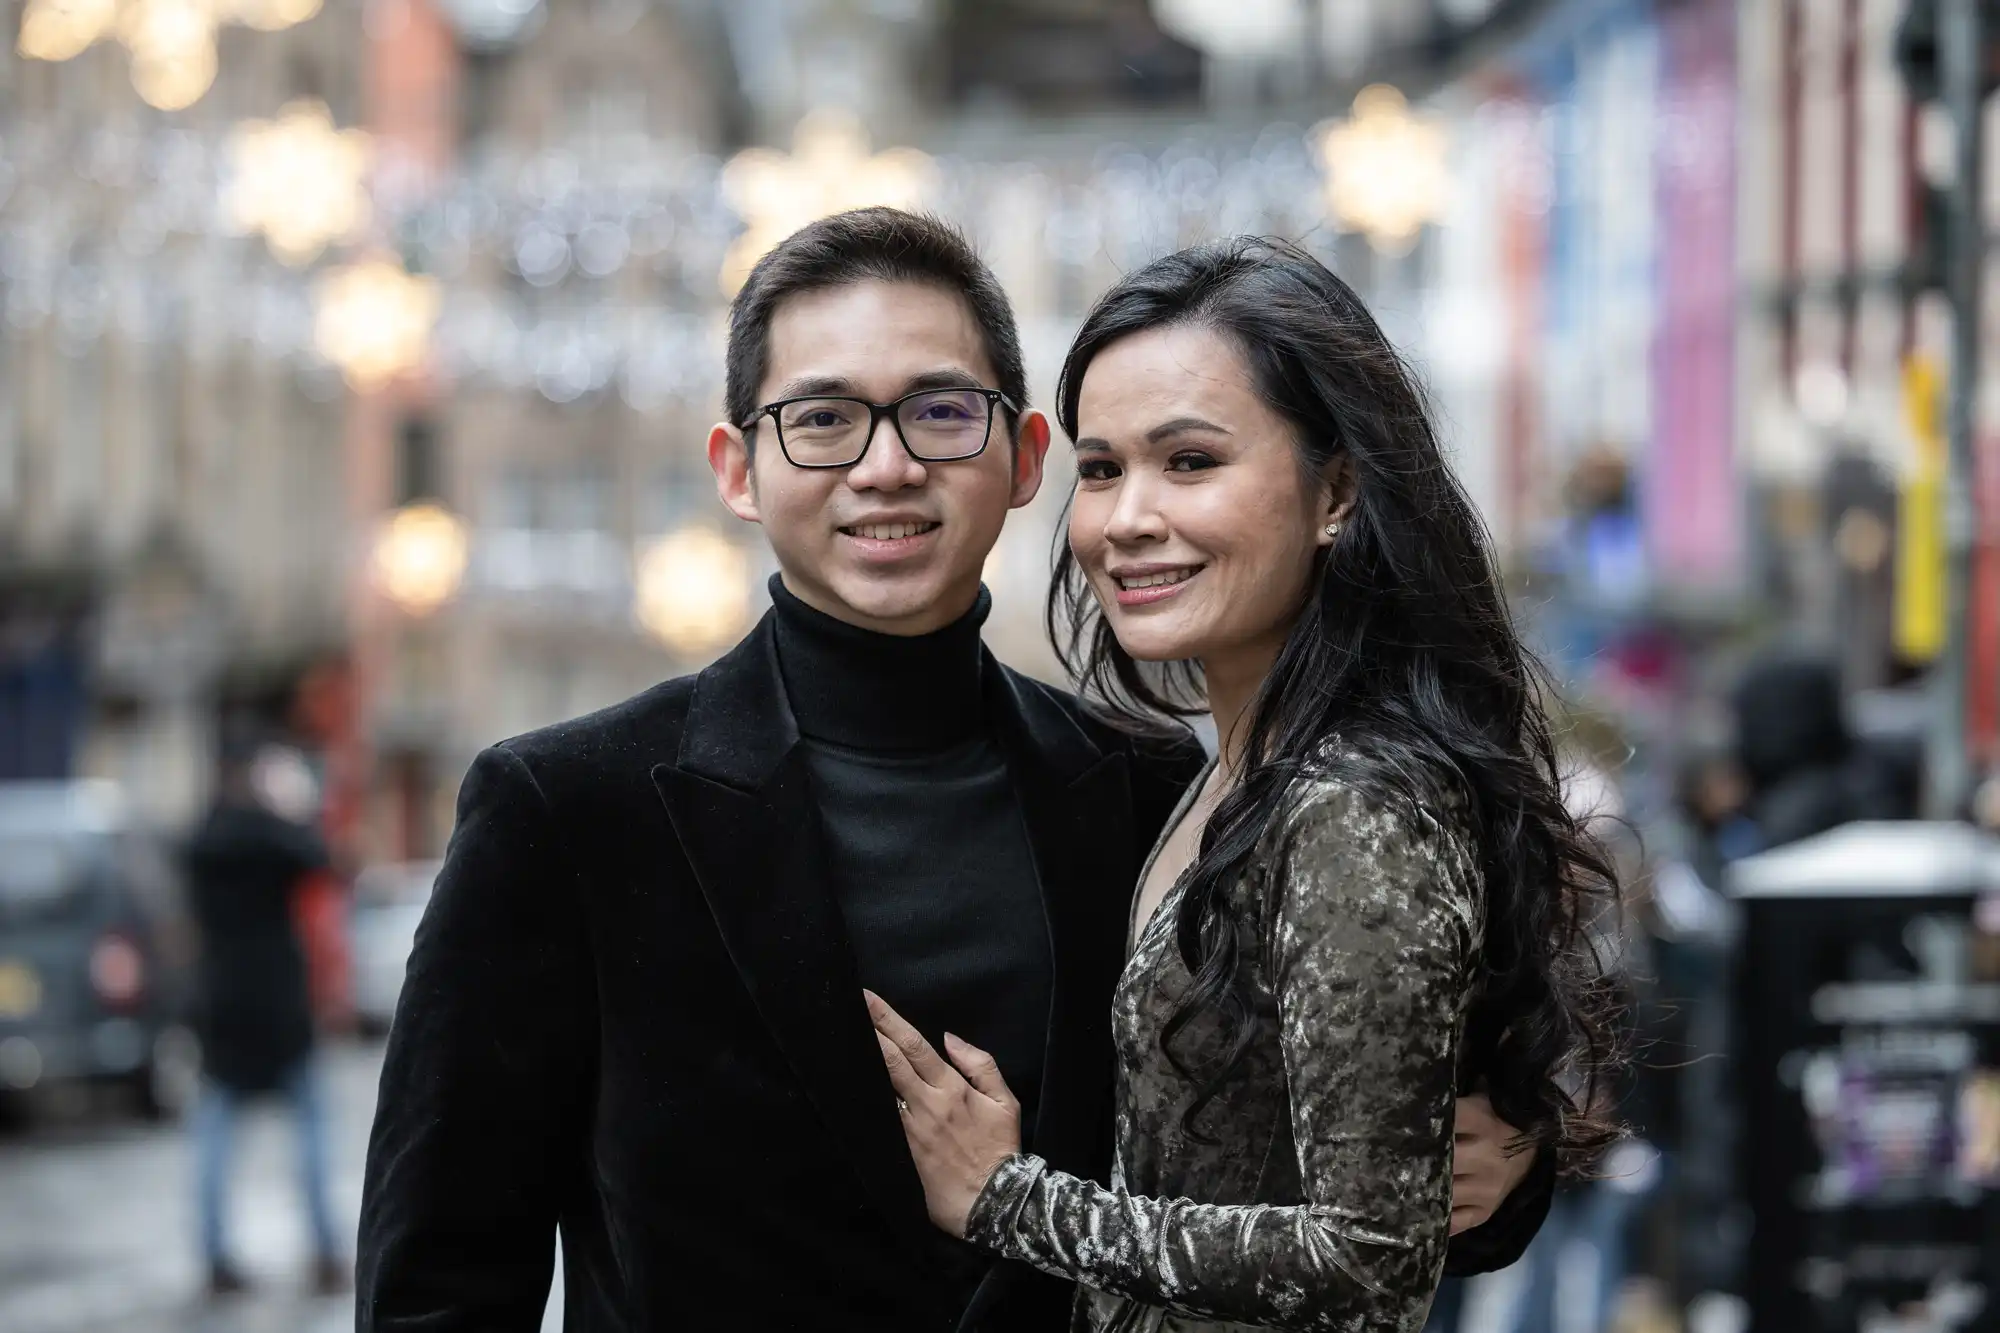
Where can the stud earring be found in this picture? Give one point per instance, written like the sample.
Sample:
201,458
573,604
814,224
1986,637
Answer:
1333,529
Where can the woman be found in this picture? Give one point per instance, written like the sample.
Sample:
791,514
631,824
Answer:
1373,898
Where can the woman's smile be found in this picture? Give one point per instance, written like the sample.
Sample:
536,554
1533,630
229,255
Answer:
1147,585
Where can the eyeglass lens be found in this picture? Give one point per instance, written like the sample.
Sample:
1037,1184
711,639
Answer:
937,426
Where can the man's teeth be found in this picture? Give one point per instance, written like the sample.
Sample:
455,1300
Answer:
889,532
1157,580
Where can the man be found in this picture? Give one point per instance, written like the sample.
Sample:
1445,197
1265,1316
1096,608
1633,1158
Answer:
634,1009
244,863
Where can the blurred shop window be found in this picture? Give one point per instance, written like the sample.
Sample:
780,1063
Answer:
482,76
537,686
10,449
1065,54
551,531
79,464
676,495
597,106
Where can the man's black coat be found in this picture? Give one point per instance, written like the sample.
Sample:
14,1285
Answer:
632,1010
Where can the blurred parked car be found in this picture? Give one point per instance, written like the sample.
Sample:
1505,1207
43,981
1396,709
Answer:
96,948
388,902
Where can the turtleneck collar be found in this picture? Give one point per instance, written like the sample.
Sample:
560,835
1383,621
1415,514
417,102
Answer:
867,690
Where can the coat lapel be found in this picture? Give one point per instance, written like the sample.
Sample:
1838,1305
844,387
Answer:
739,801
1076,801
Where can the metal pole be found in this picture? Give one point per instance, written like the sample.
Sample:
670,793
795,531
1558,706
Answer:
1960,48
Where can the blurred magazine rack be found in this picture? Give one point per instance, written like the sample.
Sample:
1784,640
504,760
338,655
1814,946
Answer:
1869,994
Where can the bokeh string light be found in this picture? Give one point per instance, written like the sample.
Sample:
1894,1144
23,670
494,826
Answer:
374,321
171,43
1386,171
298,181
59,30
618,242
420,557
691,590
829,170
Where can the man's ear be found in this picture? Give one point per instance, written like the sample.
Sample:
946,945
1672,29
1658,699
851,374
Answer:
735,482
1031,450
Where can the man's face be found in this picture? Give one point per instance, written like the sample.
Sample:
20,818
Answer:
890,543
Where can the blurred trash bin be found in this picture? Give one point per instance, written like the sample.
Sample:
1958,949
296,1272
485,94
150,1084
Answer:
1871,1061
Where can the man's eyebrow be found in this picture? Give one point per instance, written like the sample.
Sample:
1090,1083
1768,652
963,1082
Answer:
812,386
949,377
1165,430
816,385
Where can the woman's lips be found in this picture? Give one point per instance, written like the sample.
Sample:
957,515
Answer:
1157,587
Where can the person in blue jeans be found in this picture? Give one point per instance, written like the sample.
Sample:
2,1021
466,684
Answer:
254,1010
215,1120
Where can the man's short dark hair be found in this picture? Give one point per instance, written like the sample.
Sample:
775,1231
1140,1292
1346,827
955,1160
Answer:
882,244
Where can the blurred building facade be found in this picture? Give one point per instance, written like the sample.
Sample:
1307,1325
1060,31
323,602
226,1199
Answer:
166,541
1679,241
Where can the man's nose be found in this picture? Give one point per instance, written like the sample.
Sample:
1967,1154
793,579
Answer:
885,465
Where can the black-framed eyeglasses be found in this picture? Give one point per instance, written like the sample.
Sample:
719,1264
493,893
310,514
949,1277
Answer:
935,425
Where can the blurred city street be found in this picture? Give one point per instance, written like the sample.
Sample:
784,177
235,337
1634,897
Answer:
366,399
97,1218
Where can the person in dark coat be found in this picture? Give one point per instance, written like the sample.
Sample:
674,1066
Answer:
255,1013
1806,772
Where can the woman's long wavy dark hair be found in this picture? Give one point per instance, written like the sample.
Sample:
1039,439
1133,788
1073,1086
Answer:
1405,650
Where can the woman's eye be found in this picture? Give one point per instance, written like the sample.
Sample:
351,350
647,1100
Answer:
1097,469
1190,462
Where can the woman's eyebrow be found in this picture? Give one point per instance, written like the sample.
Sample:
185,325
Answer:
1165,430
1179,424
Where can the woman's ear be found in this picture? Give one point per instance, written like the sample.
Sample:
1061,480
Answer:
1338,486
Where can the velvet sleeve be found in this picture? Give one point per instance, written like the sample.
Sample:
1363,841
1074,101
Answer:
1370,945
486,1078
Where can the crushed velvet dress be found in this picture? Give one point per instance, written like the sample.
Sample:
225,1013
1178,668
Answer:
1325,1201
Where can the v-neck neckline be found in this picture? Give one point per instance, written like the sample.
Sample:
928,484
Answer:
1134,930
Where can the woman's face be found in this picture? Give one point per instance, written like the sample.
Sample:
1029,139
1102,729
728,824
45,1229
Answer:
1192,519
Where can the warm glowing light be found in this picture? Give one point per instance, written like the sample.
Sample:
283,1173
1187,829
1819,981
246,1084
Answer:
175,82
271,15
171,42
420,557
374,321
692,590
1386,170
62,29
173,50
829,170
298,180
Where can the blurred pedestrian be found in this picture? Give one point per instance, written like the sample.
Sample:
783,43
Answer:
1577,1263
1806,772
244,862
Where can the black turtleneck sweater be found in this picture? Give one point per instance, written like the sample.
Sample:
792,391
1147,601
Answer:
927,852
